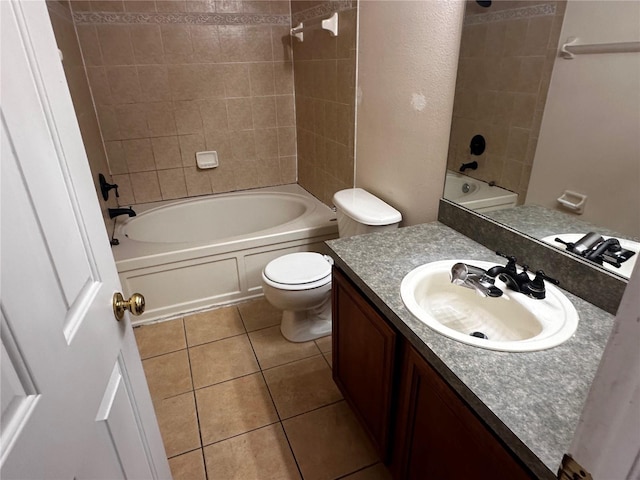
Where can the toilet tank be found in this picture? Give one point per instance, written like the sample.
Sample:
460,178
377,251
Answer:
360,212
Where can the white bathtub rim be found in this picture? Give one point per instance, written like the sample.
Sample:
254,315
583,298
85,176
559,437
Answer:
485,197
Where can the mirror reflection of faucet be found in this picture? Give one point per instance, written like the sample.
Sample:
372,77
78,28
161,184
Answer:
471,165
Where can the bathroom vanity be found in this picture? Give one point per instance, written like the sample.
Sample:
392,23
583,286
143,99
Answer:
438,408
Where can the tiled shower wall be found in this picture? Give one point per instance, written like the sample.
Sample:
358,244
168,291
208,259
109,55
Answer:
325,69
170,78
506,60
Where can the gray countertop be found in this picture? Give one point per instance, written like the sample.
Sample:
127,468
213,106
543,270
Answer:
533,400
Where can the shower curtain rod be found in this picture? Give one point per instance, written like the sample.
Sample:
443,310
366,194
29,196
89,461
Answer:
570,49
330,24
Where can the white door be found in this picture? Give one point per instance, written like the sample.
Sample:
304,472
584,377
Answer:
75,403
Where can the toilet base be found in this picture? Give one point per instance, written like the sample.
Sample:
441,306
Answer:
306,325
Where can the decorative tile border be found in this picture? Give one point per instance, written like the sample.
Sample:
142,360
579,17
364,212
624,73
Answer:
542,10
323,9
180,18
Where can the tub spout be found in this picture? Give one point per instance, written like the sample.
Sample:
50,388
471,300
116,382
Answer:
114,212
472,165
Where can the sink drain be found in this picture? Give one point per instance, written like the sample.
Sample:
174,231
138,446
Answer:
479,335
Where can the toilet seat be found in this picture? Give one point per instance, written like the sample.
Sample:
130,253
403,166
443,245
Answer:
298,271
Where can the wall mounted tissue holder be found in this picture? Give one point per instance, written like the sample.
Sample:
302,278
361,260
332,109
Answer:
206,160
573,201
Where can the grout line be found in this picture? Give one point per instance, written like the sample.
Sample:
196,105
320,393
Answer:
359,470
240,434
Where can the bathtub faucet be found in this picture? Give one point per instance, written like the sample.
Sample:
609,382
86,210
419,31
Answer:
114,212
472,165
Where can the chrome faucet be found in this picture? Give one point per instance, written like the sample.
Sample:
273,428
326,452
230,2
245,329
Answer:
474,278
114,212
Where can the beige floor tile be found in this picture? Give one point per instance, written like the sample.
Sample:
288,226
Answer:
234,407
301,386
160,338
324,344
178,424
261,454
374,472
213,325
222,360
188,466
329,442
272,349
259,314
168,375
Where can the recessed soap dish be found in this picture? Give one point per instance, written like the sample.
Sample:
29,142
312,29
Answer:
206,160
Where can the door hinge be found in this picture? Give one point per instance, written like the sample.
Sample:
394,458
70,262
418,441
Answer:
572,470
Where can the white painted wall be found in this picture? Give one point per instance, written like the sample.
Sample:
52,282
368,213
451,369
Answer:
407,63
590,135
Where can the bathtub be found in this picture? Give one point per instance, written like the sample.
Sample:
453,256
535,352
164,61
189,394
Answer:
477,195
193,254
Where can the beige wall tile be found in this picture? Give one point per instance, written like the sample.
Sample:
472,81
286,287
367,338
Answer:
176,39
189,82
139,155
281,41
232,43
145,187
188,119
221,143
197,182
107,6
223,408
160,338
201,5
240,115
214,114
160,119
262,79
243,145
228,6
123,84
189,146
139,6
257,44
99,83
285,110
147,44
166,153
90,45
283,78
267,448
267,144
206,44
125,190
132,122
236,79
287,141
115,44
223,179
264,112
154,83
288,169
116,158
172,183
171,6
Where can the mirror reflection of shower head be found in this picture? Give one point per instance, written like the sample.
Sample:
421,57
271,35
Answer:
484,3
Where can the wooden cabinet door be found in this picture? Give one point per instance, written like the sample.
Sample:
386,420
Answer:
438,437
363,360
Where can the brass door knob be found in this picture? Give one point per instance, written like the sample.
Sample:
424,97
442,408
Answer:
135,305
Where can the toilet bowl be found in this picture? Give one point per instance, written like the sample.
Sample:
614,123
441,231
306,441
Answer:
299,284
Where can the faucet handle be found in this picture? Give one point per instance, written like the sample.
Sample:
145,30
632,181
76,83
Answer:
536,288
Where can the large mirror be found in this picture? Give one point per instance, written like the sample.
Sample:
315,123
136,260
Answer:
559,153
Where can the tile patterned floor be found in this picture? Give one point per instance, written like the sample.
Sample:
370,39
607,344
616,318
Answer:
235,400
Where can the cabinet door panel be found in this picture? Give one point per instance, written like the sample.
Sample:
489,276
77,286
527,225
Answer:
441,438
363,360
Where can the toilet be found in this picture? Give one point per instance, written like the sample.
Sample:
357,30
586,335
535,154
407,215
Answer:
299,283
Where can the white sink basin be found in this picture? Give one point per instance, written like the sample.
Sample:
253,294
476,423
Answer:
625,269
511,323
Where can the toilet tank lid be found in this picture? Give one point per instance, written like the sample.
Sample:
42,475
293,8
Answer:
365,208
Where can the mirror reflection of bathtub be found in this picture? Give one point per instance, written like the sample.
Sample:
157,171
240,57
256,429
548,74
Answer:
477,195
